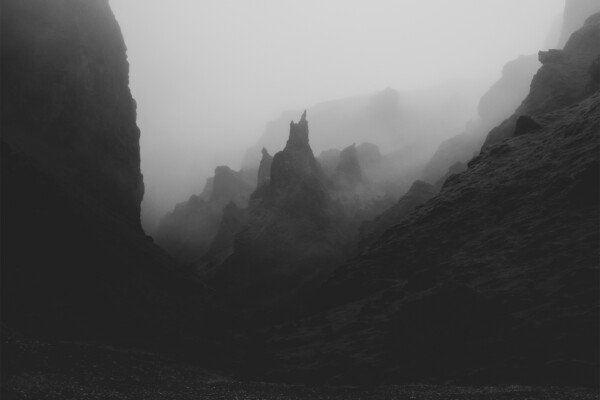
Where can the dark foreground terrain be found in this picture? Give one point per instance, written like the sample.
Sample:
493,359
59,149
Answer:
70,370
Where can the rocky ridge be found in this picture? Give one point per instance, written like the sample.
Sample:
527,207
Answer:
292,236
494,279
562,80
499,101
187,232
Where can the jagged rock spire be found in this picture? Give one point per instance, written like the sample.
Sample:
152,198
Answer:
298,134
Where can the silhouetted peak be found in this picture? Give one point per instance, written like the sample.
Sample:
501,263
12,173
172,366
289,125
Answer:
298,133
264,169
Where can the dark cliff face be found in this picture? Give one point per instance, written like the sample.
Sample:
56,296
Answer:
66,99
494,279
75,263
563,79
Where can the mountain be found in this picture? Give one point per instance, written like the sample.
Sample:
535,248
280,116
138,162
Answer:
562,80
500,100
292,237
75,262
494,279
506,96
59,80
407,124
575,14
187,232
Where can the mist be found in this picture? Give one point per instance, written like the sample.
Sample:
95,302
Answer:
209,76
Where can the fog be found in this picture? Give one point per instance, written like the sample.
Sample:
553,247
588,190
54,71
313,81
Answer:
208,75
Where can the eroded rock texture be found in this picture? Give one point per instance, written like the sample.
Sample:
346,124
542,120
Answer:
495,278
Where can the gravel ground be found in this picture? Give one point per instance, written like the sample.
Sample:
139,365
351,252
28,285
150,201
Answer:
66,370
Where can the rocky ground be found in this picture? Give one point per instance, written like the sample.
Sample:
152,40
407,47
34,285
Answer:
71,370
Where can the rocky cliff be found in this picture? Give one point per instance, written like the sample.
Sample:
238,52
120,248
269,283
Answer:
406,124
66,98
562,80
75,263
292,237
494,279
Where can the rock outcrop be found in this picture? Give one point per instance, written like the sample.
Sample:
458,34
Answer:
66,99
563,79
406,124
292,236
188,231
494,279
75,263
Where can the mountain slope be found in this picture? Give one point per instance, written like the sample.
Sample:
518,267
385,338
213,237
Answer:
493,279
500,100
187,232
75,262
66,99
292,236
562,80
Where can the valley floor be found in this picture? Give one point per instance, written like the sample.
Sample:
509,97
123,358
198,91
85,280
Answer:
67,370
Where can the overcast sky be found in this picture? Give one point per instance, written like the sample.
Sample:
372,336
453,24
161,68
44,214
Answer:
208,74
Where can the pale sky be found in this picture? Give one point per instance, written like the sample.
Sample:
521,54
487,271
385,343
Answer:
208,74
